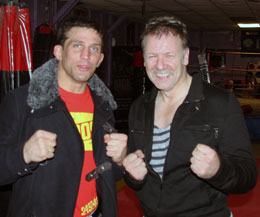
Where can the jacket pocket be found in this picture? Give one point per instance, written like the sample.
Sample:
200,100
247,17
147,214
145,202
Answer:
136,138
189,136
206,128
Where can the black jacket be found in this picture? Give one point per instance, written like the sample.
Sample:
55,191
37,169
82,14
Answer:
211,116
50,189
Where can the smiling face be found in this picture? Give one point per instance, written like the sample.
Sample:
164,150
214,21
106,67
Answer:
165,60
78,58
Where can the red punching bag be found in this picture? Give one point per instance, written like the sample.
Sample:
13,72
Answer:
15,49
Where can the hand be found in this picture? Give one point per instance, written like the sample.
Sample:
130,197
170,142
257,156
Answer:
39,147
116,146
205,161
134,164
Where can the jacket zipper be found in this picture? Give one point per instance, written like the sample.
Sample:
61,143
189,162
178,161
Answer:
165,163
161,189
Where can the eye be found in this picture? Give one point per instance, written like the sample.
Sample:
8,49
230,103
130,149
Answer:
78,46
94,48
169,56
151,57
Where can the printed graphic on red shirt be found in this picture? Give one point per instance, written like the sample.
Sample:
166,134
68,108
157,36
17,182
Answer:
87,197
81,109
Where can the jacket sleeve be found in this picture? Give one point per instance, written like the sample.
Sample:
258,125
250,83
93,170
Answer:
134,184
238,170
12,165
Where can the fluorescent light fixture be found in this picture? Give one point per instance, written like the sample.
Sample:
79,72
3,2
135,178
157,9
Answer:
249,25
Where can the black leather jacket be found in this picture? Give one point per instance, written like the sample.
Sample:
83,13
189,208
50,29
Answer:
50,189
211,116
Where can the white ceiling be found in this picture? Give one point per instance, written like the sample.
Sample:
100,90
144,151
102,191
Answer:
197,14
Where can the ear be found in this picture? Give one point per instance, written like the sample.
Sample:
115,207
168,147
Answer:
185,58
57,52
100,59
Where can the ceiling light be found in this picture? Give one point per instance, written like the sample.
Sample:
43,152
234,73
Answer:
248,25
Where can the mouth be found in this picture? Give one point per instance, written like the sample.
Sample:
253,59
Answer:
162,75
83,67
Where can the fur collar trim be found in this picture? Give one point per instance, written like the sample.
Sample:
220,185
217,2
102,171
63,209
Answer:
43,86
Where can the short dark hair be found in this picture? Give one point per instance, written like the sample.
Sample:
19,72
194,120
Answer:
71,22
163,26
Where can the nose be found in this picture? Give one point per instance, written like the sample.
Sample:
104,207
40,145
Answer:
85,53
161,63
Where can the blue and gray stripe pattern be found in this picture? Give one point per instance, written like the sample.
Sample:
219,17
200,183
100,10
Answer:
161,138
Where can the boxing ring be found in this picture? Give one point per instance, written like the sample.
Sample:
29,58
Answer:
243,81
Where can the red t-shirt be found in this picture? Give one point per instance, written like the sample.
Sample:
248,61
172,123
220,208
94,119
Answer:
81,108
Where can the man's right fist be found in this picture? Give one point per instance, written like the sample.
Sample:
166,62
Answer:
39,147
134,164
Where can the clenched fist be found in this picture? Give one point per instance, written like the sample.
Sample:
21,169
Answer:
116,146
39,147
134,164
205,161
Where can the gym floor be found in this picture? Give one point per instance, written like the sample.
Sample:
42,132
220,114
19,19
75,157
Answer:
256,148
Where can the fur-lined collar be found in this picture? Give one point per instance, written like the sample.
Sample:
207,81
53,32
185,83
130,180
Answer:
43,86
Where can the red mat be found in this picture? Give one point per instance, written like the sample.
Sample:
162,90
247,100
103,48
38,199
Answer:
246,205
242,205
128,203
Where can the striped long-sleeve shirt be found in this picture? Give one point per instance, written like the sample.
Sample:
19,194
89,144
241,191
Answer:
161,138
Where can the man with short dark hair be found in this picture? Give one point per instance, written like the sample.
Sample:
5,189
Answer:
52,136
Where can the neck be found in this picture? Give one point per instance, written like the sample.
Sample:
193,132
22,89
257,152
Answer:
178,93
167,103
73,89
68,84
